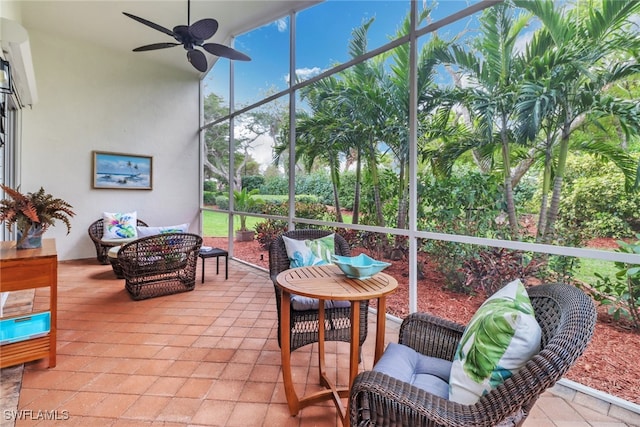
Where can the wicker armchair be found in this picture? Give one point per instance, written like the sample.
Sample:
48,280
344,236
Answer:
160,265
567,318
96,231
304,324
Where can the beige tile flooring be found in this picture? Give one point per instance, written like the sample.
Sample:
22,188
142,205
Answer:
204,358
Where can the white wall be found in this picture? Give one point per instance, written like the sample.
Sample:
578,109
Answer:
11,10
92,98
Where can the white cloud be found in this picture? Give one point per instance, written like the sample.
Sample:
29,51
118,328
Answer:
261,147
282,25
305,73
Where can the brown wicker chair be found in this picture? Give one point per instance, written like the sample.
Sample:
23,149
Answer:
567,317
96,231
158,265
304,324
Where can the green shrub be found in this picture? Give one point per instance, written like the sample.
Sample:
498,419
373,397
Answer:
347,190
597,204
317,183
467,204
308,198
252,182
209,186
274,199
311,210
277,208
275,185
209,198
222,202
606,224
622,293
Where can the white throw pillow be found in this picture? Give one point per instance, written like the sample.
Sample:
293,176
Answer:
118,225
500,338
152,231
304,253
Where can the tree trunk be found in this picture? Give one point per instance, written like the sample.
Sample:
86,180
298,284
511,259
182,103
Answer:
334,184
546,186
508,189
554,208
373,167
356,196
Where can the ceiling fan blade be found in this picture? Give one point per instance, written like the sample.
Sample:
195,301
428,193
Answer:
150,24
203,29
225,51
197,59
155,46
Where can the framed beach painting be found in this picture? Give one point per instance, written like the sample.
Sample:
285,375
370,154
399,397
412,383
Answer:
122,171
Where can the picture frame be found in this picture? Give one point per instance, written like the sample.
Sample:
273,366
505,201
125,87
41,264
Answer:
122,171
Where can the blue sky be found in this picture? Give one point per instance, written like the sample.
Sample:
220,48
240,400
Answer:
122,164
323,33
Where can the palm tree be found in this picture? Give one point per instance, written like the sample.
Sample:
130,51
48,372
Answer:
576,57
320,135
361,98
492,73
535,97
377,93
344,113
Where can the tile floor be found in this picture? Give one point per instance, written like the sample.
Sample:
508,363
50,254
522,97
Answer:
204,358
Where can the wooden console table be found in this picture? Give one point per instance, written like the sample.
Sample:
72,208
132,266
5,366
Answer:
27,269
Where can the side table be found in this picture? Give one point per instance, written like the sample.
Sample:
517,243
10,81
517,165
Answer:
28,269
329,282
217,253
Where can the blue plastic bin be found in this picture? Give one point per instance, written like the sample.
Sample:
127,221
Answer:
24,327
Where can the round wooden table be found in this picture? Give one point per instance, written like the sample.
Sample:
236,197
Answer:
328,282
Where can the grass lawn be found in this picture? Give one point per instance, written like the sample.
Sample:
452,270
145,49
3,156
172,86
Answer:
585,273
216,224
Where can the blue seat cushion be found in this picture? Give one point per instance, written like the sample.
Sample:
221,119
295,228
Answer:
405,364
300,303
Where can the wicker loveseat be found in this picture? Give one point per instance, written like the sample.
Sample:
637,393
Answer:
304,323
567,318
160,265
96,231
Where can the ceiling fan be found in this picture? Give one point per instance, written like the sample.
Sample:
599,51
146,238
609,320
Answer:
190,37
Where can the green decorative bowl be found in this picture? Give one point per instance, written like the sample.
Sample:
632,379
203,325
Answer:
359,267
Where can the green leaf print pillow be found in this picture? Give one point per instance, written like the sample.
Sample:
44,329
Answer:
501,336
303,253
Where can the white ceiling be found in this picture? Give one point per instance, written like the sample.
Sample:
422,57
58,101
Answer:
102,23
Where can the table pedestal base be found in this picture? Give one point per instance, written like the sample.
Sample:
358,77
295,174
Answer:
332,393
